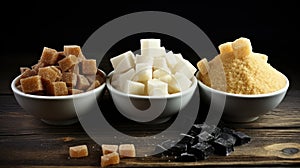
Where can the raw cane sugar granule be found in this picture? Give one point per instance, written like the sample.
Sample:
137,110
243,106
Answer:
239,70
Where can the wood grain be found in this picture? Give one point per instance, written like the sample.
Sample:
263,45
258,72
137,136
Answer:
27,142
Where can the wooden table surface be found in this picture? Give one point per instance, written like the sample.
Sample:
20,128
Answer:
25,141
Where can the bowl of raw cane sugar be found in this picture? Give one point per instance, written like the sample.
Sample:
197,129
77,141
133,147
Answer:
241,82
152,86
51,88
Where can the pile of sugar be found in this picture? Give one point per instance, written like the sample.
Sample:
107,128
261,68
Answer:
239,70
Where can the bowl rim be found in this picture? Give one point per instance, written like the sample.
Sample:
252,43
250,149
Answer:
17,91
282,90
192,88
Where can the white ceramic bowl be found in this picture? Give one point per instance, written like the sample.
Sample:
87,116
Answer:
150,109
239,107
57,110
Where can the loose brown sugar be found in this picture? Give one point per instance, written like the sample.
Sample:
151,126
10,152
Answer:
239,70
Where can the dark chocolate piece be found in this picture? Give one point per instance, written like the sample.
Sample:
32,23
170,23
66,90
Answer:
241,138
202,150
222,147
205,137
228,137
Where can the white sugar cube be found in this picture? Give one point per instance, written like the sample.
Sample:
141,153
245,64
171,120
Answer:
128,75
153,52
171,59
150,43
157,88
165,78
178,56
160,63
133,87
159,73
182,81
144,59
126,63
185,67
117,59
142,73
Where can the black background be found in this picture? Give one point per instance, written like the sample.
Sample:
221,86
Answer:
29,26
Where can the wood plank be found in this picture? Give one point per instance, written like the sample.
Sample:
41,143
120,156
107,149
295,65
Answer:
266,148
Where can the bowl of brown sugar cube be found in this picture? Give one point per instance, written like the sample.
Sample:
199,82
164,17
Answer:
50,88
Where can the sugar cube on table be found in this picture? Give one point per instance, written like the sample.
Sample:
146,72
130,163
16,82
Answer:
78,151
127,150
110,159
107,148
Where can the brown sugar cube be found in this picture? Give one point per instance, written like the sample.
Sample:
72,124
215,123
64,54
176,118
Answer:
225,47
70,78
58,72
107,149
72,91
82,82
94,85
32,84
127,150
75,69
91,78
60,55
72,50
67,62
49,56
58,89
89,67
203,66
49,73
28,73
38,65
241,47
110,159
78,151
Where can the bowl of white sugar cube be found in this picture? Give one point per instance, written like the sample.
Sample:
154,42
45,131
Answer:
152,86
